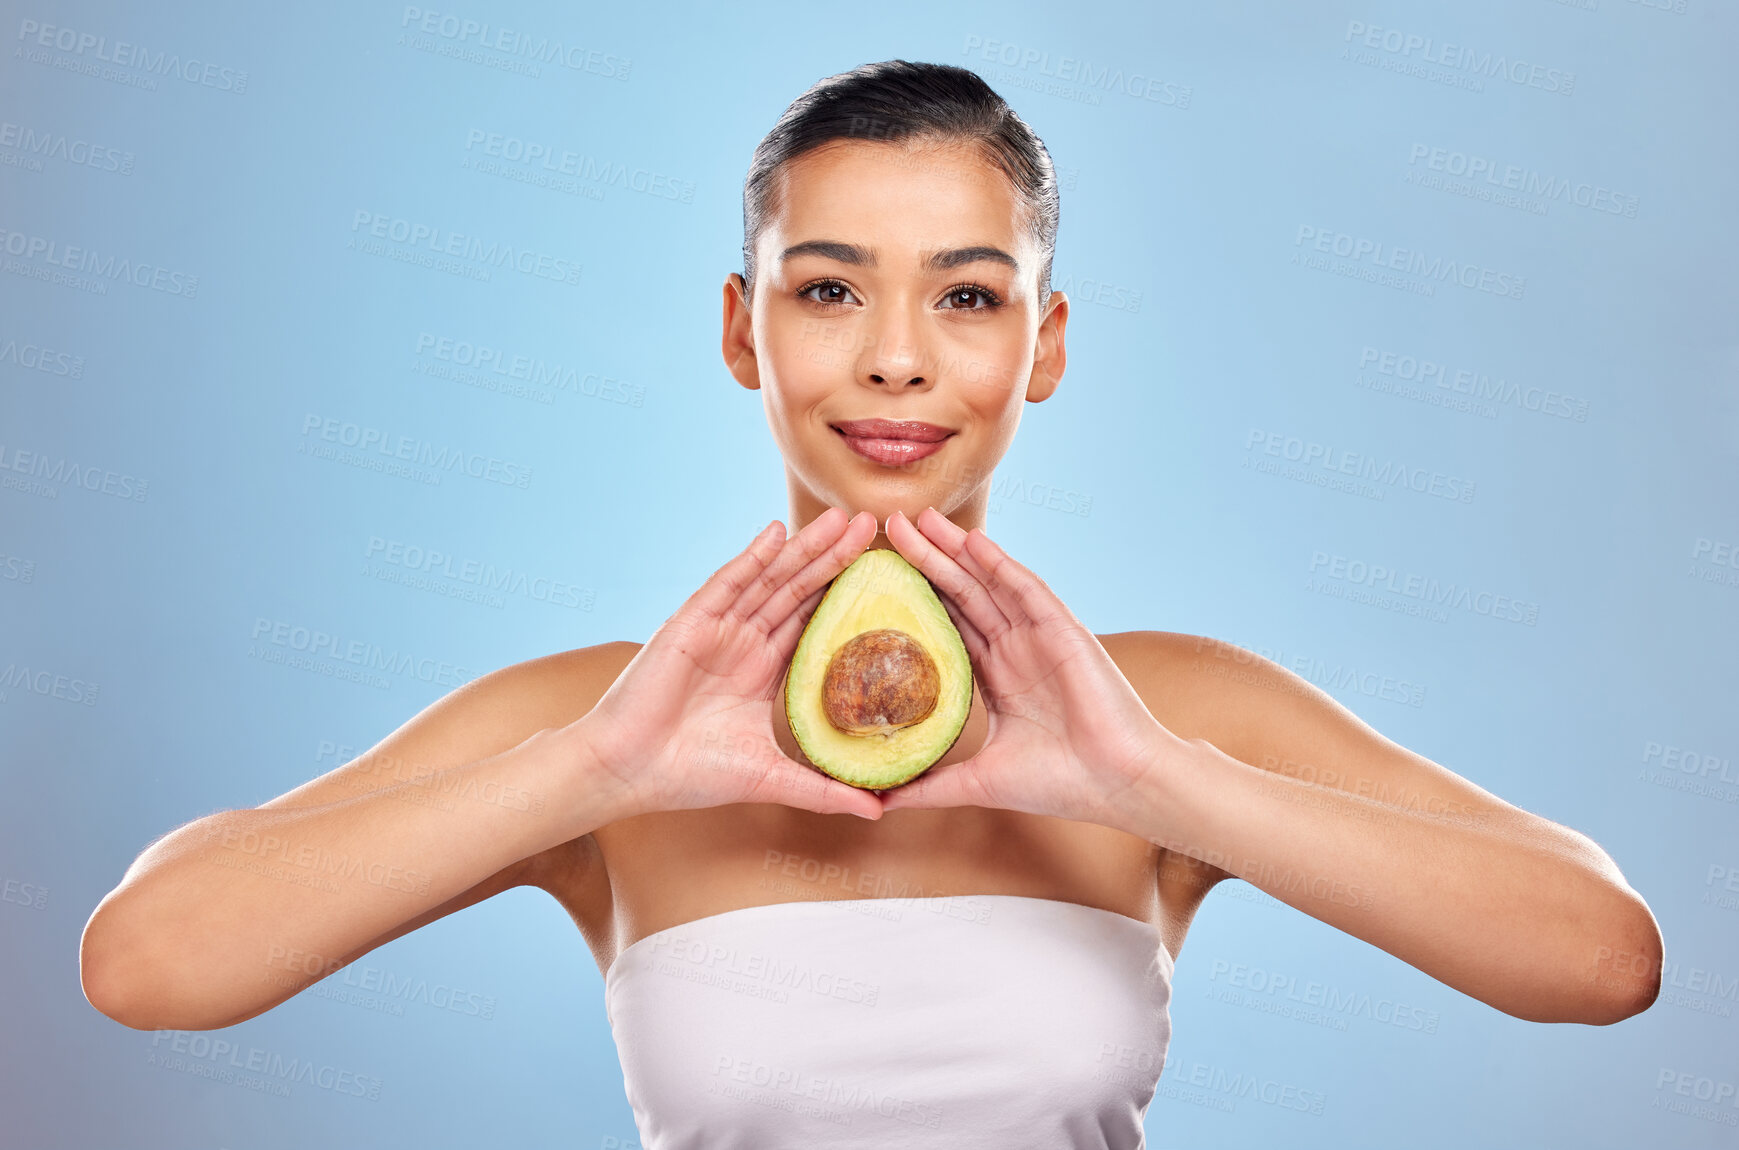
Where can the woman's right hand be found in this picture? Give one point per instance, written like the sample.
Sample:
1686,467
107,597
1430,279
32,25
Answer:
688,723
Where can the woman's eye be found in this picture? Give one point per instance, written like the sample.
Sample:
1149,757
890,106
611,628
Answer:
831,291
962,299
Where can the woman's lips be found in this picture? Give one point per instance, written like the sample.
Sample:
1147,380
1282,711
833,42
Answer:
890,442
894,451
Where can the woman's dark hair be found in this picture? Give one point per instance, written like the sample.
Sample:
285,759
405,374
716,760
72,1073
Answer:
899,100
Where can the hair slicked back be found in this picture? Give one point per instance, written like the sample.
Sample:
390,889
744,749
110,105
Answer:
900,101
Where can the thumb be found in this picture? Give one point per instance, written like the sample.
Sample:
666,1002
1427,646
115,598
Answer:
815,790
937,787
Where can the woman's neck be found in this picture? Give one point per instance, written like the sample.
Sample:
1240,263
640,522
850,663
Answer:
805,507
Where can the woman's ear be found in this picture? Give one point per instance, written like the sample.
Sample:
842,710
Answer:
738,343
1049,354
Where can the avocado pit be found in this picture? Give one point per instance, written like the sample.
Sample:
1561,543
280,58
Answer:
879,682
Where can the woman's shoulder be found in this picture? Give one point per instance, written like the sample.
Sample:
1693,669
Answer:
555,689
1172,656
578,660
1199,687
1267,715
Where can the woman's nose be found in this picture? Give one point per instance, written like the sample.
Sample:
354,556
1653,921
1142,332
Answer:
896,360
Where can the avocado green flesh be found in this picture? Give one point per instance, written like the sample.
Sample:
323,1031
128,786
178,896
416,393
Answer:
879,589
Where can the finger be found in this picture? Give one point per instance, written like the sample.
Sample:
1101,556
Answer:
793,553
786,635
791,783
940,568
976,648
821,562
937,787
951,537
1018,589
723,586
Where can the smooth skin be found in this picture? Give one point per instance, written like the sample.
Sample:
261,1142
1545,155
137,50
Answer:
645,786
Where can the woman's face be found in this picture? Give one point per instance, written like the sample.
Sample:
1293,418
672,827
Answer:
894,283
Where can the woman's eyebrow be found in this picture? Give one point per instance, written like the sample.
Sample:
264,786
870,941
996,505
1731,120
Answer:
849,253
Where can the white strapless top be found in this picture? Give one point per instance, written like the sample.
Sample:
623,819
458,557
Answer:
958,1021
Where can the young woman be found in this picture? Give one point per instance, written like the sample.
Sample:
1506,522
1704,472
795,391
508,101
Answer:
983,956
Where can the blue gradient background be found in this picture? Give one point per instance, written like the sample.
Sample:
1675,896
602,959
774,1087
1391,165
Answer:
1197,208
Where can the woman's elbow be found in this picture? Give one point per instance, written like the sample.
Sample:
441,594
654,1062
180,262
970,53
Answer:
1627,962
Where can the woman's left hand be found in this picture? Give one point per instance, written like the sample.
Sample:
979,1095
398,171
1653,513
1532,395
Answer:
1068,735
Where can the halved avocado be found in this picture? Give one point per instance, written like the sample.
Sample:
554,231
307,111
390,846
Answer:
880,684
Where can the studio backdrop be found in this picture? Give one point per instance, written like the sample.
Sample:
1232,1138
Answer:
349,352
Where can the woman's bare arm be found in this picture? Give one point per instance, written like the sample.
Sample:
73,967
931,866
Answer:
231,914
1296,795
1509,907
